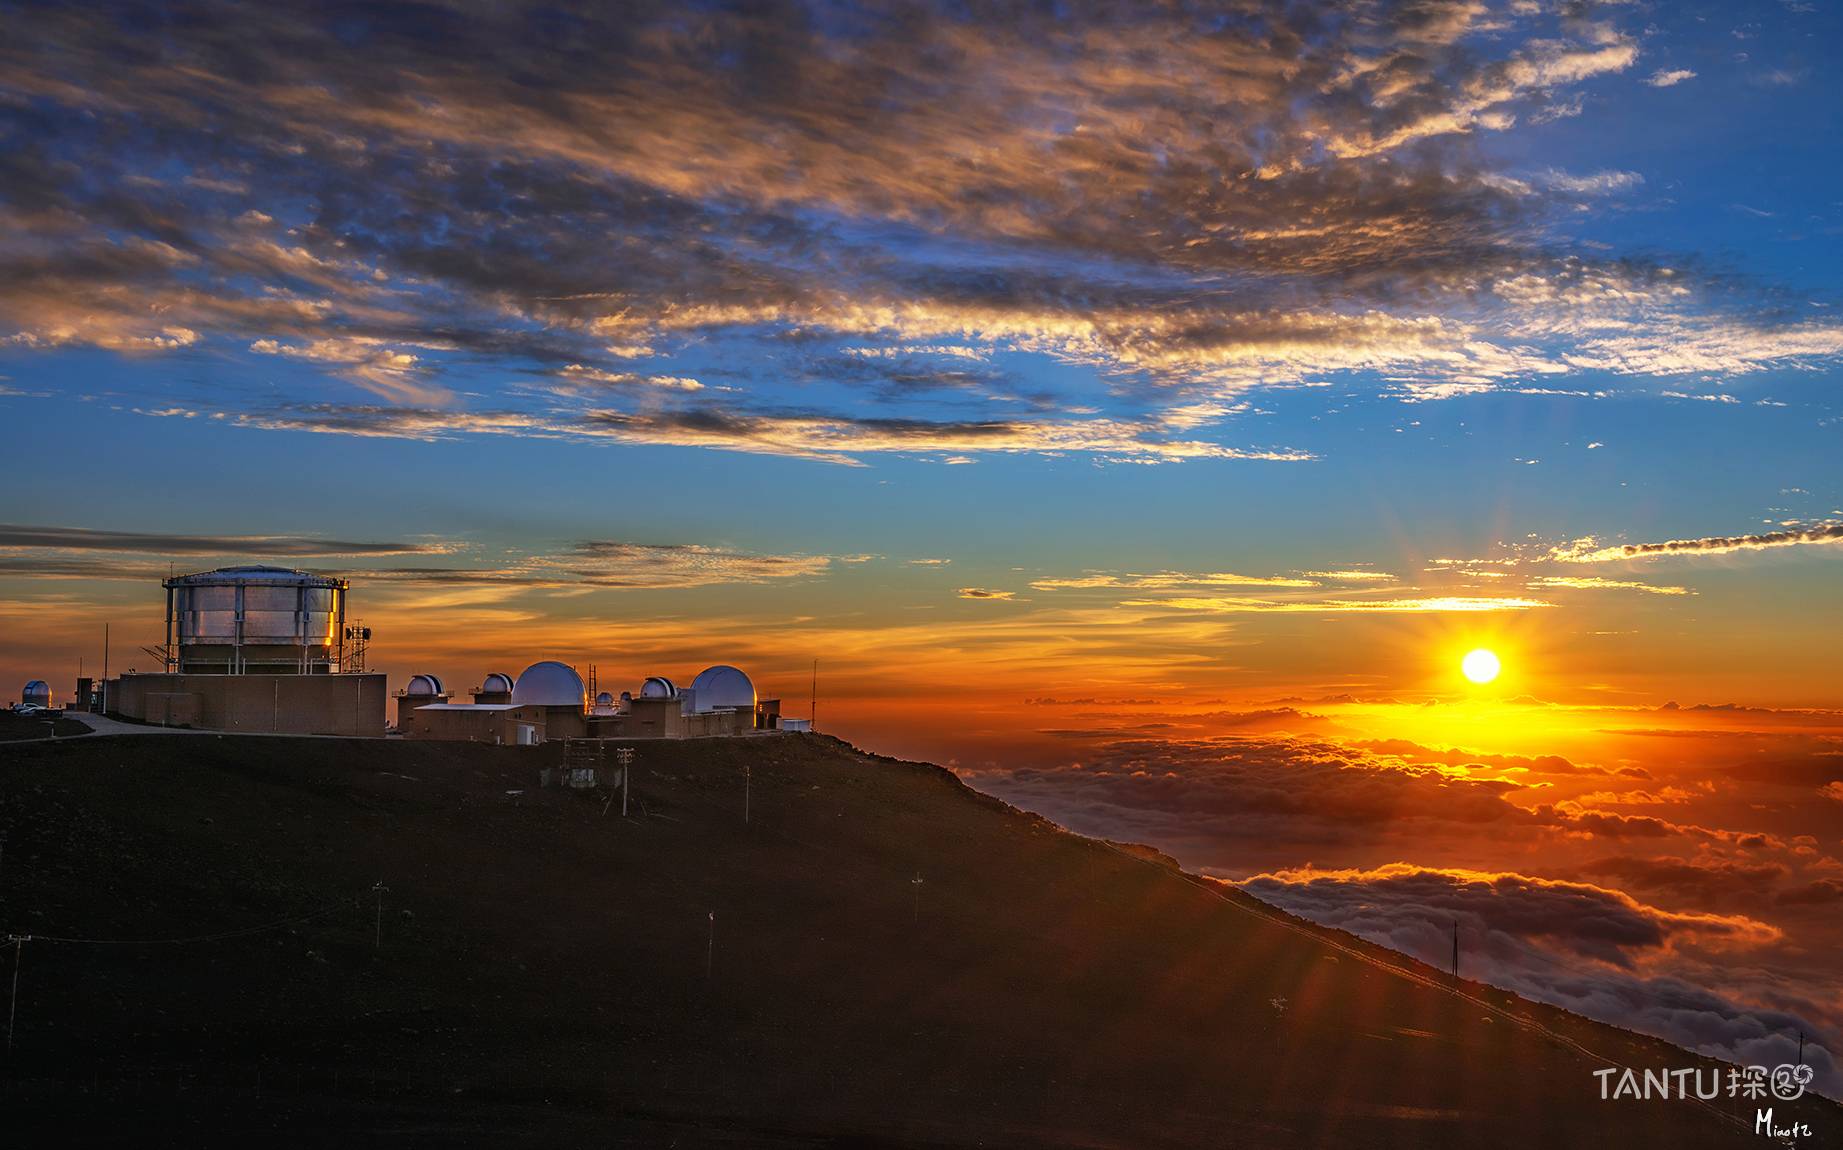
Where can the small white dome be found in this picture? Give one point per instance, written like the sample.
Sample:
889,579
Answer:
604,700
424,685
497,683
37,691
722,686
658,688
550,684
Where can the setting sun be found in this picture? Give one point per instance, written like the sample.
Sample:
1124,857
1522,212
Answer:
1480,666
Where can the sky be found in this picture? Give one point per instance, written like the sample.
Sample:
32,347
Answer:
1140,408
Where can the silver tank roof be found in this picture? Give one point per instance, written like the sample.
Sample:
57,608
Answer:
254,573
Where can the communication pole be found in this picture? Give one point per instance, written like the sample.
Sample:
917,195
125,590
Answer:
916,882
379,889
12,1008
710,948
813,715
1455,952
625,757
745,795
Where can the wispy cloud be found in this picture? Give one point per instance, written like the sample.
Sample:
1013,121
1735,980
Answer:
14,536
1594,583
984,593
1588,551
1167,579
1399,606
1245,206
1669,77
828,438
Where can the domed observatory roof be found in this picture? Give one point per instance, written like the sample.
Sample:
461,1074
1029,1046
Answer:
424,685
497,683
550,684
658,688
37,692
722,687
604,700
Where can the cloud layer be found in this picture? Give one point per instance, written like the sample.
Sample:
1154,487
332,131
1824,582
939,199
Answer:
830,232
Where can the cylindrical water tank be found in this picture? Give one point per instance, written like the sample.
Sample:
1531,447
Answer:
266,620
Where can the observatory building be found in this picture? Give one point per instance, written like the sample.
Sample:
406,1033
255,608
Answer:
37,693
547,701
256,648
495,688
721,700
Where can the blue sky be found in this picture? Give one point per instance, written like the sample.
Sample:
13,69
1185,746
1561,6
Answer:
1352,287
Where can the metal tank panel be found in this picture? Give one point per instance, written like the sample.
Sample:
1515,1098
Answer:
273,618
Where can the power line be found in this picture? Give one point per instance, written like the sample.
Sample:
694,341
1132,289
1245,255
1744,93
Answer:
19,941
216,937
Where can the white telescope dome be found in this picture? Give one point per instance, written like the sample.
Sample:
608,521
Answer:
658,688
424,685
549,684
723,686
497,683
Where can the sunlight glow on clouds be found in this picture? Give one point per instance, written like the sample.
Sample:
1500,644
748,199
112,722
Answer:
1307,205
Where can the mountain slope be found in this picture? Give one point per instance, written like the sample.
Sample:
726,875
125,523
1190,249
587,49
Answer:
538,973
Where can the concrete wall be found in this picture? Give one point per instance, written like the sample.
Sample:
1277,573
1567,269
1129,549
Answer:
648,719
280,704
666,719
461,723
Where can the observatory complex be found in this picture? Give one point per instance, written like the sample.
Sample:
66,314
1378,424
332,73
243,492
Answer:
269,649
549,700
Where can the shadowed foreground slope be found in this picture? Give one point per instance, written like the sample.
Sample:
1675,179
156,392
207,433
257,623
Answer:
542,971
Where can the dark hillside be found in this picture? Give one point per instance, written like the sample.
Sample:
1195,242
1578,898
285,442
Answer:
541,977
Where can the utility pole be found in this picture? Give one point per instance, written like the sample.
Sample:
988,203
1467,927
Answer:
1455,951
105,668
812,718
379,889
12,1009
625,757
710,948
745,795
916,882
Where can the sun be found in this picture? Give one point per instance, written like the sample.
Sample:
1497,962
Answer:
1480,666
